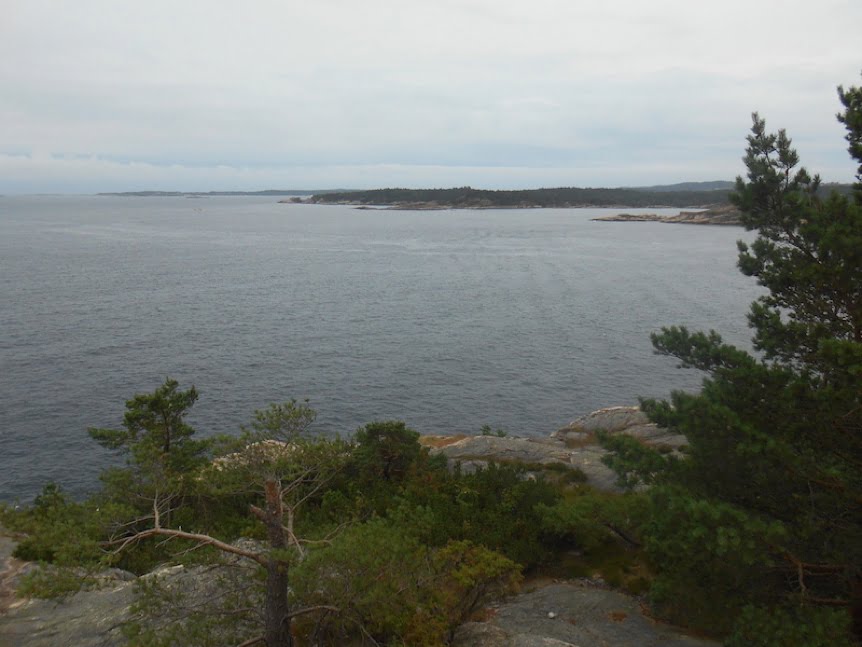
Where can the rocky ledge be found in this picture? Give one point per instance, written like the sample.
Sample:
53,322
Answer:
572,614
573,447
722,215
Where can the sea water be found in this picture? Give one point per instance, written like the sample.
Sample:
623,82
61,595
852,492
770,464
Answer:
449,320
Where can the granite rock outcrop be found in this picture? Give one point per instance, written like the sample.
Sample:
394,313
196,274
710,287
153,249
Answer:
574,446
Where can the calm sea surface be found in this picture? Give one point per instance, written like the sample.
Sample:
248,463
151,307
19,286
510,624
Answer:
521,319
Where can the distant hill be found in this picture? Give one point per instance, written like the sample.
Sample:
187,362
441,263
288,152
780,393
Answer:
714,185
725,185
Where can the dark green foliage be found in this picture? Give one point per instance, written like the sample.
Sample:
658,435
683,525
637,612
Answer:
58,531
155,437
852,120
797,626
153,421
487,431
378,529
765,509
634,462
711,558
591,519
496,507
162,460
385,459
467,197
391,474
385,451
599,533
285,422
559,473
807,254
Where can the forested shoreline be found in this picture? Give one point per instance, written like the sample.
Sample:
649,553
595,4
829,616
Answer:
470,198
563,197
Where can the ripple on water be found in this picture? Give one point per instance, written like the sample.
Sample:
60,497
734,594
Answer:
448,320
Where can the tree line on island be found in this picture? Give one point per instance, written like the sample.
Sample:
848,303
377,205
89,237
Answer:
686,195
470,198
752,534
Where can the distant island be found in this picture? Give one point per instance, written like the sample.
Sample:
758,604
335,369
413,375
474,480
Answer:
684,195
206,194
566,197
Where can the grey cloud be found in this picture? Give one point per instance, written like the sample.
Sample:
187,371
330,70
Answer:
410,89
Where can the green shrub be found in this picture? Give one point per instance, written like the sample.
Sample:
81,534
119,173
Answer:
57,530
386,451
797,626
688,538
390,586
592,518
605,532
499,433
495,507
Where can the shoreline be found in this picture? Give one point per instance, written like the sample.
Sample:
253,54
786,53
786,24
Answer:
436,206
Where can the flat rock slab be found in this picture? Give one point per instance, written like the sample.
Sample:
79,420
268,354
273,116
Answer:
507,449
574,445
477,451
572,615
92,619
630,421
95,618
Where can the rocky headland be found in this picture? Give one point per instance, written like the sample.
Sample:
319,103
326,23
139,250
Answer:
553,613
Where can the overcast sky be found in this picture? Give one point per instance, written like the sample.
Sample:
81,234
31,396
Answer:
182,95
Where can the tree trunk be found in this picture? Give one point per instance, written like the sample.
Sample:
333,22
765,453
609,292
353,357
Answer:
276,618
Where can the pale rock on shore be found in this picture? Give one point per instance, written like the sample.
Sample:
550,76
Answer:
573,446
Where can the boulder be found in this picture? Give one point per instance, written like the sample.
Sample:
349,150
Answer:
86,619
94,618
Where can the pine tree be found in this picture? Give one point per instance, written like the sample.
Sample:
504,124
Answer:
757,529
154,428
159,447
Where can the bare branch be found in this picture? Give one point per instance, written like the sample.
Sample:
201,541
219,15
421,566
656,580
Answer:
830,602
203,540
320,607
257,512
813,568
